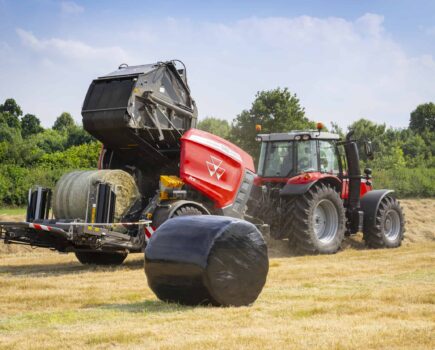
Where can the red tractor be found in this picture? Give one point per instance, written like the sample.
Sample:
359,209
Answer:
153,166
310,190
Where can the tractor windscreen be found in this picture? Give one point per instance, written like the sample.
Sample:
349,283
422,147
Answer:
287,158
276,159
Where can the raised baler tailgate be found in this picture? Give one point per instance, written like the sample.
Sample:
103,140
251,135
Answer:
213,166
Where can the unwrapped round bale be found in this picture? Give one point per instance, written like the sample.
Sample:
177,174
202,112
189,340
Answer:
70,197
207,260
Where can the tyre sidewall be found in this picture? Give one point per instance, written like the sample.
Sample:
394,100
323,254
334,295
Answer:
327,193
388,243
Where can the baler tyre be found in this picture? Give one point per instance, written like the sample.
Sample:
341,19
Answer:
389,225
319,221
101,258
187,211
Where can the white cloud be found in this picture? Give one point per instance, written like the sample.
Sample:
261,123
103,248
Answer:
72,49
70,7
57,73
341,70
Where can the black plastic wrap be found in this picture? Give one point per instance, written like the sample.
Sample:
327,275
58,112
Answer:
207,260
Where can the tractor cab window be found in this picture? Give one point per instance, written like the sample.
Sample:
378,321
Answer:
328,157
278,159
307,156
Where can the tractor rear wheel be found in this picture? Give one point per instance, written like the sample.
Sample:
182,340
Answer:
319,221
101,258
388,226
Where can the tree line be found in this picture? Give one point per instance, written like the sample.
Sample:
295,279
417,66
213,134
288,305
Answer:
31,154
404,157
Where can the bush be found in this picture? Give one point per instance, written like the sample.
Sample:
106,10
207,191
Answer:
416,182
15,180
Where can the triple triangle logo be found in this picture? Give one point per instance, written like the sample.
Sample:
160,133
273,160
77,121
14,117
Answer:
214,167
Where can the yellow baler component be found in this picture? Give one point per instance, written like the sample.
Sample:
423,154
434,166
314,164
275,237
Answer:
168,183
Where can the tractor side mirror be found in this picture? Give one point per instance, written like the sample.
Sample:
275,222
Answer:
368,149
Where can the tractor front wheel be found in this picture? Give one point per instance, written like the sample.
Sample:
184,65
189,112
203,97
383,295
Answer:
101,258
388,226
318,223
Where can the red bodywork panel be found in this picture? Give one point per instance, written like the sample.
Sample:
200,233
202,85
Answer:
363,189
213,166
313,177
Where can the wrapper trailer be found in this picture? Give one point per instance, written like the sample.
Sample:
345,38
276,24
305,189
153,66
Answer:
309,187
153,166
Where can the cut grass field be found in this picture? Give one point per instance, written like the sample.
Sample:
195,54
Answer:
12,211
356,299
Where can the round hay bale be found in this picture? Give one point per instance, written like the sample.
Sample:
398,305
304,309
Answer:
207,260
70,195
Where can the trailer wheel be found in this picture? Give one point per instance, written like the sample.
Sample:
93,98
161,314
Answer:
187,211
101,258
389,225
318,223
161,215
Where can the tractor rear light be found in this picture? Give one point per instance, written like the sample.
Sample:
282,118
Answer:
307,176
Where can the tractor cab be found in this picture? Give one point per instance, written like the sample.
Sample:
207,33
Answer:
285,155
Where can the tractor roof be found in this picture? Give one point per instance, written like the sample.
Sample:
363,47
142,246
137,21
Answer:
298,135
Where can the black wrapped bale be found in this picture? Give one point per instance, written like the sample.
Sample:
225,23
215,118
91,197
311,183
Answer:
207,260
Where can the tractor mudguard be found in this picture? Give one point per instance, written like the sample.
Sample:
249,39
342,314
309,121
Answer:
295,189
299,186
370,205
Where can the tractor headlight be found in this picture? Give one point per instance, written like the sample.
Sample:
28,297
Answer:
306,137
297,137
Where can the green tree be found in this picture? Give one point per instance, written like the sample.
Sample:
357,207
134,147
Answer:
275,110
30,125
50,140
8,134
423,118
216,126
336,129
10,113
75,157
78,136
64,122
10,106
366,130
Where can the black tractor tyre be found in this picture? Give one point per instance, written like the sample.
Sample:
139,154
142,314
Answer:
388,228
101,258
318,221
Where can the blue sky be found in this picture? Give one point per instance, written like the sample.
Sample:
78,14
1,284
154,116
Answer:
344,59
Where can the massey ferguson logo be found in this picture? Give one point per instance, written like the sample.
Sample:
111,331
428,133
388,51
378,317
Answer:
214,167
